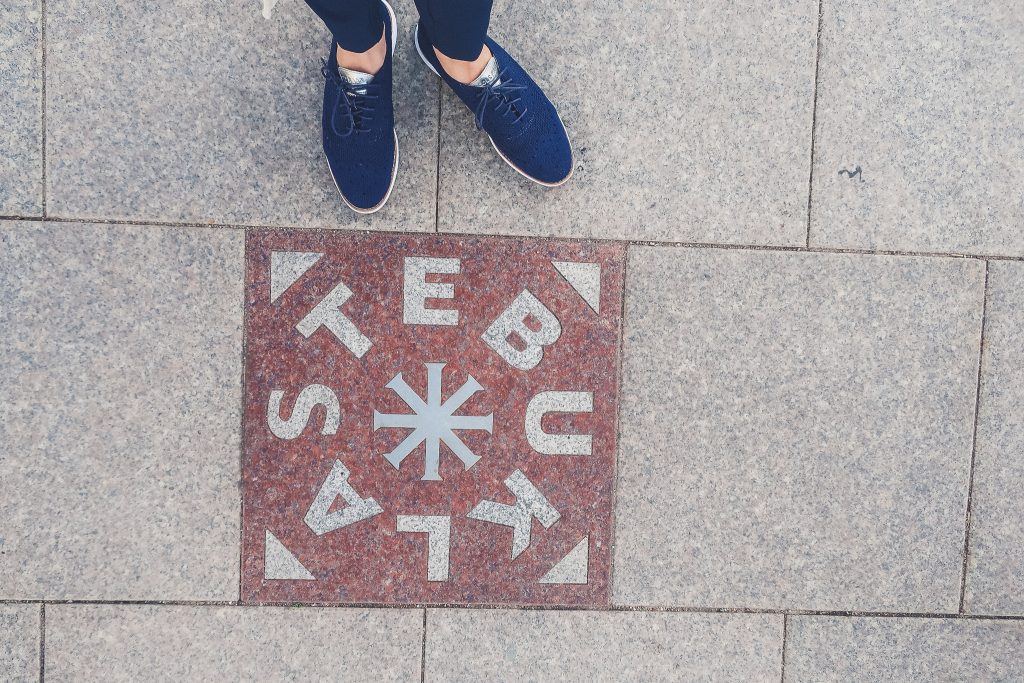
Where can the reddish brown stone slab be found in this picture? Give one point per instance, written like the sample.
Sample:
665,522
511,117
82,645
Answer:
371,561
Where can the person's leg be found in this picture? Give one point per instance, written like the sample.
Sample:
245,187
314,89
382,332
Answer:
355,24
358,26
457,30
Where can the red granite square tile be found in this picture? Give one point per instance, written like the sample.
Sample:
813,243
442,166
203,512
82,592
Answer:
429,419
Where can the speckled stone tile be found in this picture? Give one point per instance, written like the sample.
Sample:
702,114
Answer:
995,578
926,98
844,649
796,429
536,645
429,419
204,111
691,121
19,642
21,104
120,425
165,643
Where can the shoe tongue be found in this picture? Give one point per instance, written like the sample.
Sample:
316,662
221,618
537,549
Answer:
488,76
356,78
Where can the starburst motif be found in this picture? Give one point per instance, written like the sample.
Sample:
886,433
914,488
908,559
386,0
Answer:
433,422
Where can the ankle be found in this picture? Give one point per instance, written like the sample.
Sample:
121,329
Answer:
462,71
368,62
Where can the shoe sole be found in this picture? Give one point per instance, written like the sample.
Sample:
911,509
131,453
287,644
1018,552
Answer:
572,154
394,169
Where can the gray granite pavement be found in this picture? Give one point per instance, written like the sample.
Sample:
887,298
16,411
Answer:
19,642
536,645
995,580
711,142
894,649
205,112
796,429
119,431
925,97
21,107
168,643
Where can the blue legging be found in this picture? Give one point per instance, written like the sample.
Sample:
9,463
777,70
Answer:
457,27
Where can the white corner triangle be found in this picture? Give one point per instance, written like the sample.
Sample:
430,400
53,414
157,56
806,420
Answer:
280,563
286,267
573,567
585,278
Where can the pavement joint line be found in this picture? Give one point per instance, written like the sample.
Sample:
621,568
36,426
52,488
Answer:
42,95
785,633
423,649
42,642
780,248
541,608
974,447
241,415
814,121
618,417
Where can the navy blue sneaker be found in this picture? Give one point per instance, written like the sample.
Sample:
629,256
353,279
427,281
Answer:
514,112
359,127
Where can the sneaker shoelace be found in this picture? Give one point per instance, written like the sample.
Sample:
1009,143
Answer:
352,103
502,95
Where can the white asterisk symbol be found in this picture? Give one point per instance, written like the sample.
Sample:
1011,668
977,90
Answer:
433,421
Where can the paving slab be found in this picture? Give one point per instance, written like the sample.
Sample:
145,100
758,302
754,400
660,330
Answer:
796,429
19,642
691,122
179,643
920,127
903,649
429,419
995,578
537,645
21,106
205,112
120,428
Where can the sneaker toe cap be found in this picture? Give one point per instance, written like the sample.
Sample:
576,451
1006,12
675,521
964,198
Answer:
552,167
364,186
544,153
365,194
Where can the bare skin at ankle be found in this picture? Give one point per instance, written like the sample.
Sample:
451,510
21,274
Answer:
372,60
462,71
368,62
